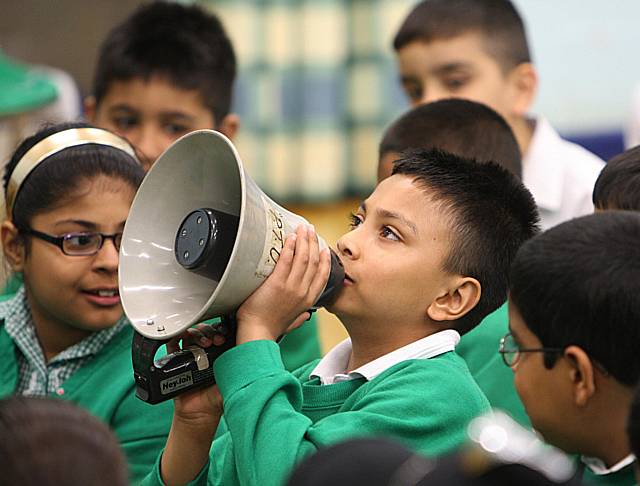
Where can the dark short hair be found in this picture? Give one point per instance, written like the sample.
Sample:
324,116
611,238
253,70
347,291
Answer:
383,462
491,215
462,127
49,442
182,43
58,177
370,461
618,185
497,21
578,284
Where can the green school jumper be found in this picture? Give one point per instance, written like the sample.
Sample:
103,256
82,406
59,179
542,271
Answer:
104,386
299,347
623,477
479,348
273,418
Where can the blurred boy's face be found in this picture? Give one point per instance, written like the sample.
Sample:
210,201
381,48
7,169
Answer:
545,393
150,114
460,67
393,255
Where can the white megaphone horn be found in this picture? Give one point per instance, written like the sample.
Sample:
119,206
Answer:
200,238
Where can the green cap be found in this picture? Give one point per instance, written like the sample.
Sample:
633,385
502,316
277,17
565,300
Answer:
21,89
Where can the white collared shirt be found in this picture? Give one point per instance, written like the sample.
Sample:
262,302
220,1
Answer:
632,131
560,175
333,367
599,468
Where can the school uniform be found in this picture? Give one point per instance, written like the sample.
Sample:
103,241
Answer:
479,349
301,345
632,129
421,395
560,175
596,472
95,374
12,285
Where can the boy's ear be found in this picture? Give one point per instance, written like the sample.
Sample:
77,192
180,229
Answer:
229,125
581,374
524,81
13,246
461,297
90,108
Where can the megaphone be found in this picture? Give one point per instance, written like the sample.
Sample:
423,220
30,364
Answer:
200,238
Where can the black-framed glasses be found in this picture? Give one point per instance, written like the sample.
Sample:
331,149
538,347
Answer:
511,351
78,244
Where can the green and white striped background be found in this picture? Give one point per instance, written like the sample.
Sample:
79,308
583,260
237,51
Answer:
317,84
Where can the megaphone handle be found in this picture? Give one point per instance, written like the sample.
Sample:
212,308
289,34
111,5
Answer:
179,372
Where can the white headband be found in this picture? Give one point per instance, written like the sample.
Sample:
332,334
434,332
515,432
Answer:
54,144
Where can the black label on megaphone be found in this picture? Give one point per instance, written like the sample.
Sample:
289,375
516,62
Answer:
158,380
205,240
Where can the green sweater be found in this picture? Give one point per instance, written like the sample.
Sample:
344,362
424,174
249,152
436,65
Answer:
104,386
624,477
479,348
273,418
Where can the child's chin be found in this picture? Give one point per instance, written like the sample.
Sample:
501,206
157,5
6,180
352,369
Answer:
340,309
96,323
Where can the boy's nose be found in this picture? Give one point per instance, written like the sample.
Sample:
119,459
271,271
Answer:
149,144
433,90
347,246
431,95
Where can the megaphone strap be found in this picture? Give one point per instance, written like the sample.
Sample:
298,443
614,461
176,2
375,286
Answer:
53,144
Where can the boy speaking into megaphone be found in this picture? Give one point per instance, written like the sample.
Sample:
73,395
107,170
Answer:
425,260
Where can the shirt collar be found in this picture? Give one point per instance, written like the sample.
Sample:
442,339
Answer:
599,468
333,367
542,170
19,326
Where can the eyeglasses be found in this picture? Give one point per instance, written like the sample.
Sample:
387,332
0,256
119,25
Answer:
511,352
78,244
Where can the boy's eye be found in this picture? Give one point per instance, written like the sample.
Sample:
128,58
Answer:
511,343
413,91
454,84
175,128
124,122
354,220
389,234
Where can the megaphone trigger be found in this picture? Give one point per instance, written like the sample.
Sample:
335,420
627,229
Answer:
179,371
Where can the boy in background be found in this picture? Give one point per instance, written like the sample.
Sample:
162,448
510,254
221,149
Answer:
477,49
165,71
471,130
618,185
574,335
461,127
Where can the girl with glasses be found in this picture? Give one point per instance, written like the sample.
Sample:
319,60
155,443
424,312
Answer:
68,190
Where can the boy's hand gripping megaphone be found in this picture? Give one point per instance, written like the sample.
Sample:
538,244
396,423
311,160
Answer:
200,238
